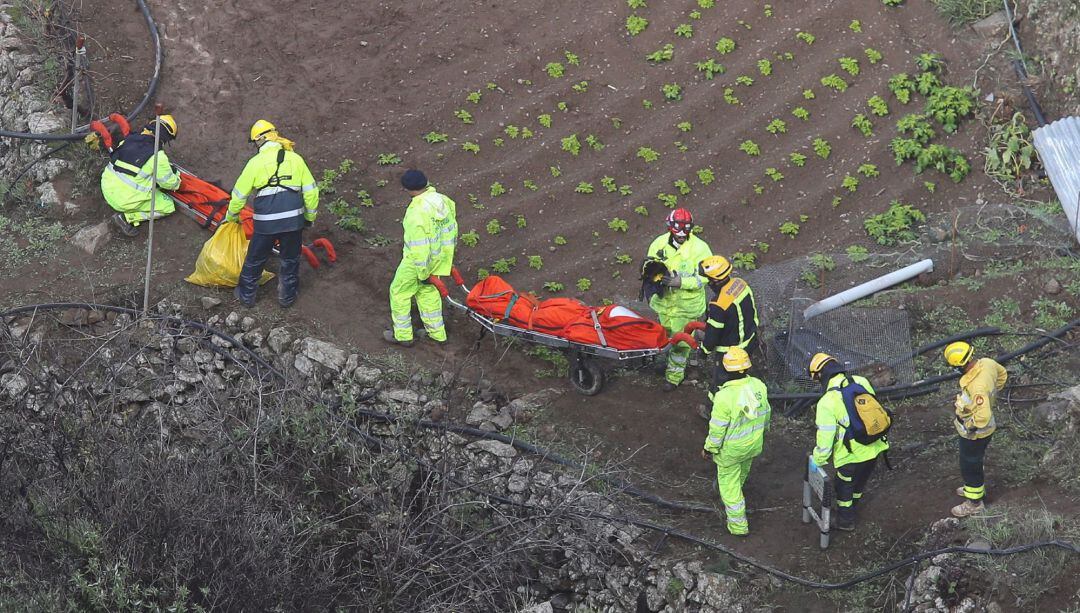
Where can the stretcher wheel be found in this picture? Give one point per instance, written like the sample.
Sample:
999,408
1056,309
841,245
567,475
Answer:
586,377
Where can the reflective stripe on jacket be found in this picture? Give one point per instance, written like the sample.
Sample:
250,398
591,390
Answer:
278,208
832,422
732,318
740,417
430,236
975,402
688,300
128,178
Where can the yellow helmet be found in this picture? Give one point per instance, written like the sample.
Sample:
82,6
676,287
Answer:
958,353
818,362
261,128
167,123
736,360
715,267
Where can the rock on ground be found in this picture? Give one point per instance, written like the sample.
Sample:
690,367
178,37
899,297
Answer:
92,238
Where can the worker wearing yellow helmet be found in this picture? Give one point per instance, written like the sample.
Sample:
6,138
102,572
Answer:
854,461
127,180
285,200
737,426
980,382
731,319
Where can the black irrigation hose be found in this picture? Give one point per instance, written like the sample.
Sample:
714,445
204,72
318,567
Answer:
159,55
666,530
1021,70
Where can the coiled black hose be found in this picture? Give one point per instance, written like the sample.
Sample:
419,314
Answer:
591,515
159,58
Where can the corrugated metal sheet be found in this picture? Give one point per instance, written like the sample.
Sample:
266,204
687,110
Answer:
1058,144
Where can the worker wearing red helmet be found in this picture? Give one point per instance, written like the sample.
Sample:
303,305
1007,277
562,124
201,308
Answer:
683,298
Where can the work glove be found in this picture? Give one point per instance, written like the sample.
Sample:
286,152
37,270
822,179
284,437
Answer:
813,465
672,280
232,217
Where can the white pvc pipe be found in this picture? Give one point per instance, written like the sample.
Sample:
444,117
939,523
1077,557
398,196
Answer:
861,291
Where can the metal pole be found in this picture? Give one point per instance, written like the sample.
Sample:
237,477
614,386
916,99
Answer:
80,53
153,209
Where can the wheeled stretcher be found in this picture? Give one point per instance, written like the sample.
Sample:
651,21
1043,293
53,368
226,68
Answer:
586,334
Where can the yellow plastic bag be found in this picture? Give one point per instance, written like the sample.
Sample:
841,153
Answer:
222,258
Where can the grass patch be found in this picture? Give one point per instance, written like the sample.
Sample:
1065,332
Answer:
23,241
963,12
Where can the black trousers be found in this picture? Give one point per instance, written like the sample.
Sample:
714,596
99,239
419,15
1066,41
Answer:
971,466
850,481
259,251
721,376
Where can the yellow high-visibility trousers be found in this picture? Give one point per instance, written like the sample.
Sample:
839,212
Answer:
730,477
403,289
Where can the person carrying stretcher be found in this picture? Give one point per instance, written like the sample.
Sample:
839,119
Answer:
127,180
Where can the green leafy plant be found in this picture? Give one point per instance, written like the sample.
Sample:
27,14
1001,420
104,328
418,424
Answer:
641,210
1051,314
930,186
469,239
950,105
801,113
744,80
503,265
497,189
894,225
471,147
684,30
684,126
559,240
710,67
774,174
636,4
435,137
572,58
623,258
873,55
647,104
695,15
618,225
648,154
902,87
583,284
878,106
764,67
555,171
918,127
512,131
706,4
926,82
805,37
869,170
776,126
669,200
571,145
808,94
835,82
498,142
730,97
520,222
759,189
545,120
474,97
892,2
562,106
584,187
725,45
594,143
850,183
705,176
463,115
625,190
530,185
822,148
790,229
554,287
387,159
663,54
849,65
672,91
836,201
863,124
636,24
768,10
857,253
745,260
1010,152
494,227
608,183
797,159
750,148
930,62
855,26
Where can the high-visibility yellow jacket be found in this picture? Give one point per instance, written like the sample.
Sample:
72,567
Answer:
431,231
975,402
688,300
127,179
285,192
732,318
832,422
740,417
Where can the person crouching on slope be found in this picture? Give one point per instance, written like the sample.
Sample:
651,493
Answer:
430,237
737,426
127,179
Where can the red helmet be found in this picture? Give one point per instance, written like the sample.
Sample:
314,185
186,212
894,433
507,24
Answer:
680,222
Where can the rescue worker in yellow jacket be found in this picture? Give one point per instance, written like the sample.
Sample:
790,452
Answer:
854,461
683,300
732,319
737,426
285,201
430,237
982,379
128,178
